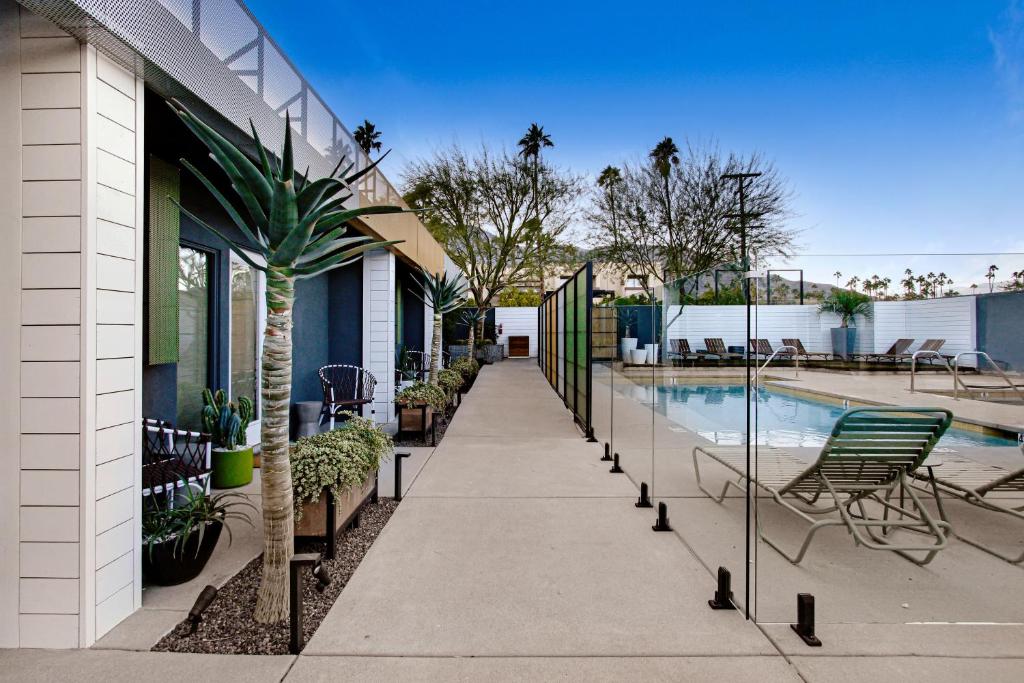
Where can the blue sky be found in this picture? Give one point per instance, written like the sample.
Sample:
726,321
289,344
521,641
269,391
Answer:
900,125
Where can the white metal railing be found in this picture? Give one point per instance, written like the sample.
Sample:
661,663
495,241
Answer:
787,349
929,354
999,371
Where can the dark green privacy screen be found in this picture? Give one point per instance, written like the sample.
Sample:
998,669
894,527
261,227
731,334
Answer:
162,266
564,320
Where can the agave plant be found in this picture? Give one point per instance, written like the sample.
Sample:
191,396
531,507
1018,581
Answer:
297,226
443,295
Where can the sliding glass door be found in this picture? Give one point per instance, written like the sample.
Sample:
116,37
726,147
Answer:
247,317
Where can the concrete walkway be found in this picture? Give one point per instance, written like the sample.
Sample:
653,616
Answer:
516,555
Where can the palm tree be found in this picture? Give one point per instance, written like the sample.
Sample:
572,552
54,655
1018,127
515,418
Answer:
908,284
530,146
368,137
666,155
609,181
296,225
991,277
846,303
837,275
852,283
443,295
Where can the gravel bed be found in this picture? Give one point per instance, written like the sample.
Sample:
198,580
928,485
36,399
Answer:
228,626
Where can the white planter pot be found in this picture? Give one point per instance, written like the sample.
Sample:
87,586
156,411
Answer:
652,353
639,357
627,344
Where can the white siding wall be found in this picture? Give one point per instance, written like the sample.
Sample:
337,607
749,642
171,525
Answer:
952,319
517,321
75,301
52,575
114,231
379,328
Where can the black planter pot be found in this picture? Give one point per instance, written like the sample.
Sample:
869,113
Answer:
165,567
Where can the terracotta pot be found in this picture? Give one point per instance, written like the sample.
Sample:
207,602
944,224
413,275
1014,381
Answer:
314,515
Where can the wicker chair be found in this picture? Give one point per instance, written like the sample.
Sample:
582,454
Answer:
345,387
172,459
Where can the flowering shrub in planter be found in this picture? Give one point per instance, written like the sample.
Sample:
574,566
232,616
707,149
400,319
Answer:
450,381
341,460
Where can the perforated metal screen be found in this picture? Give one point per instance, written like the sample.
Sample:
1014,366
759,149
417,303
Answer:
215,56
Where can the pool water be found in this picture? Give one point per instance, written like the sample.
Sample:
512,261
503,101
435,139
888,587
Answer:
717,412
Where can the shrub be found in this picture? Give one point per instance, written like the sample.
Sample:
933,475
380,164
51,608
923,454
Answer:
518,297
340,459
846,304
465,366
450,380
420,393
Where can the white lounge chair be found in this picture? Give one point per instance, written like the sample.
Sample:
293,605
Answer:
972,482
866,458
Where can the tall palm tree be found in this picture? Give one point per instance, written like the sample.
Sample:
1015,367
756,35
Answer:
666,155
367,137
609,181
443,295
530,146
991,277
837,275
296,225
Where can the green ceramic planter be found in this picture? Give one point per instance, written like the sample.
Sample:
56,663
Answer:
232,469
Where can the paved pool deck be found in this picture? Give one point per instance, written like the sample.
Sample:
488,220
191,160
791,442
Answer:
517,555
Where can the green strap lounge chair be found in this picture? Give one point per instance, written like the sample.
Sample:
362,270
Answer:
865,461
972,482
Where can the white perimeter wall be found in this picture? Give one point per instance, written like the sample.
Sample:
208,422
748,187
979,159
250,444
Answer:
517,321
952,319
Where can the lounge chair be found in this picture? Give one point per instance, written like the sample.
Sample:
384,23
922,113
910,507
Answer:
680,351
866,458
716,347
971,482
761,347
934,345
804,353
896,352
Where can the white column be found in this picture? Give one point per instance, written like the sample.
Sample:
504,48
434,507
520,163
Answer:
379,329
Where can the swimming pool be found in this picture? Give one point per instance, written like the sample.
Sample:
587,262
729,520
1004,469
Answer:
716,412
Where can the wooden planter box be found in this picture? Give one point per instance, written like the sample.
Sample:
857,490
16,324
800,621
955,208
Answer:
410,418
314,515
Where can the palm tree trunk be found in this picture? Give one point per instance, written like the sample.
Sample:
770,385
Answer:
435,349
275,469
472,340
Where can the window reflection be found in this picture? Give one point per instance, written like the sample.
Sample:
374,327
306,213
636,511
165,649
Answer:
193,334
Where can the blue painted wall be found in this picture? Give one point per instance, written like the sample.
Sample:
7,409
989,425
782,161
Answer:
310,344
999,319
345,322
646,323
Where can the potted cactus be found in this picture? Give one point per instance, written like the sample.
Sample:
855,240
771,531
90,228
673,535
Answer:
226,424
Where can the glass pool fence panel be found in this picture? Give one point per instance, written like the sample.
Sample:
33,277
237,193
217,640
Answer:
603,353
942,332
697,397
